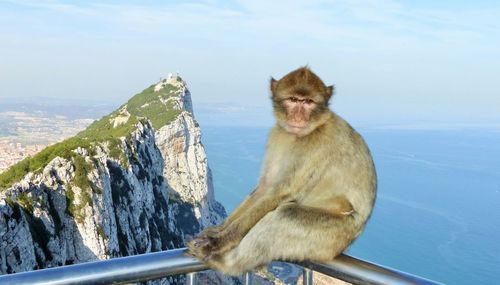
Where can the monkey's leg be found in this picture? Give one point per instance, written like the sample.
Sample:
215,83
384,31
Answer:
338,206
291,232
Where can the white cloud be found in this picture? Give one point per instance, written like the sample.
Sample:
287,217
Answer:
325,21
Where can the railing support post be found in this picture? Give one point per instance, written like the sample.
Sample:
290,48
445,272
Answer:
248,278
190,278
307,276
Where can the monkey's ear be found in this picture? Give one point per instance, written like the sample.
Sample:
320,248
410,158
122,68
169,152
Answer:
329,92
274,83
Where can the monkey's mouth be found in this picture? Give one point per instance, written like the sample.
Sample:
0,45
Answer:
297,125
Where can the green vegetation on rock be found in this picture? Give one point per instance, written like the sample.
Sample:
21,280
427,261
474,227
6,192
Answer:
75,209
36,163
103,129
101,232
82,169
25,201
147,105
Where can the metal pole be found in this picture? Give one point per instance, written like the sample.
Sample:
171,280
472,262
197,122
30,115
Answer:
358,271
138,268
190,278
307,276
123,270
248,279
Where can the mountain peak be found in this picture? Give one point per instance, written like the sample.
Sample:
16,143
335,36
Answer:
174,80
160,104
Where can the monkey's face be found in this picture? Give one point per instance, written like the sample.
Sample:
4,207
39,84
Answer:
298,113
300,101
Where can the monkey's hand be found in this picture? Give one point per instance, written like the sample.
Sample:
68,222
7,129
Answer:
199,247
196,246
224,241
211,232
208,245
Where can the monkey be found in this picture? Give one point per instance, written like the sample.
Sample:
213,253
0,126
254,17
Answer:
314,196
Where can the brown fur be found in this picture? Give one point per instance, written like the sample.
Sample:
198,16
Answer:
315,194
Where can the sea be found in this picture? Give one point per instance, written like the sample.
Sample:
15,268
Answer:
437,213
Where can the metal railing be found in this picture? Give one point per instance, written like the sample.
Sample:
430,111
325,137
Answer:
157,265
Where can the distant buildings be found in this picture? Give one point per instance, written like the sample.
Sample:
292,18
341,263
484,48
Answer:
30,133
11,153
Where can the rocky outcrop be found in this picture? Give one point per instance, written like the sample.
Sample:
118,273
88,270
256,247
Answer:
139,191
51,221
186,166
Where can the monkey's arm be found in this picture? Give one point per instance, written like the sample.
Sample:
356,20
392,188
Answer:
244,206
231,233
210,232
199,246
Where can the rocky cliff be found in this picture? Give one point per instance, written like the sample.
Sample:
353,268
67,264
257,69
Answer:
135,181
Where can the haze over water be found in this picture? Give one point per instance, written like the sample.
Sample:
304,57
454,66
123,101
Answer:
437,212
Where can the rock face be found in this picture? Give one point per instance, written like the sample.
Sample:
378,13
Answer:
51,222
135,181
186,166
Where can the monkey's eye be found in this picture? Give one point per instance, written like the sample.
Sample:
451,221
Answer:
309,101
293,99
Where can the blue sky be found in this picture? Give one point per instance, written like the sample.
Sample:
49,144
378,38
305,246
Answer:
392,61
